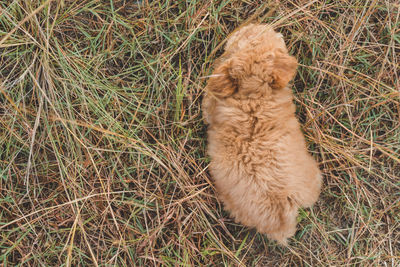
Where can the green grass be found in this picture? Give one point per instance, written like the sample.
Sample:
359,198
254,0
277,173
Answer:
102,145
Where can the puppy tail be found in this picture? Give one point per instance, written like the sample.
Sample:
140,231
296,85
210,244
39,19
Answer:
285,222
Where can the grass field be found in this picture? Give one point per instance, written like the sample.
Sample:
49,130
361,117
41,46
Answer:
102,144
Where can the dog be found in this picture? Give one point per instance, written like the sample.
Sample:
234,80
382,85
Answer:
259,160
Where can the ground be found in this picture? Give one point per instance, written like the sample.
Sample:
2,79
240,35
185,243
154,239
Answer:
102,143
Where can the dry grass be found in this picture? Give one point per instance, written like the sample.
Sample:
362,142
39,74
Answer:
102,144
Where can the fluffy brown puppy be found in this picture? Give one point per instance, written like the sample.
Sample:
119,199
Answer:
259,159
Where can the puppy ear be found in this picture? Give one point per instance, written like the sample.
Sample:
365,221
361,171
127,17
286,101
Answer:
284,69
222,83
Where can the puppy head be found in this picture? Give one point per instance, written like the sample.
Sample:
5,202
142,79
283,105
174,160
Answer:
255,62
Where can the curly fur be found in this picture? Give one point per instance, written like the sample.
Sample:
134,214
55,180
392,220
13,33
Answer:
259,160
